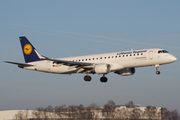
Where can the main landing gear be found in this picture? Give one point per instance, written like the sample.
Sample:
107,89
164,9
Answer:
87,78
157,67
103,79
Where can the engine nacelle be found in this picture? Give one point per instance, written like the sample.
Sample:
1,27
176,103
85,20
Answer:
102,68
126,71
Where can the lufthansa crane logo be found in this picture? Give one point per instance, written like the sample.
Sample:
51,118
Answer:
27,49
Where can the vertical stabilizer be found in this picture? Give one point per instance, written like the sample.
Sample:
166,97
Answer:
28,50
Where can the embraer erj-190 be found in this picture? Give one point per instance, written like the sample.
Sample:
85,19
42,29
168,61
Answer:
122,63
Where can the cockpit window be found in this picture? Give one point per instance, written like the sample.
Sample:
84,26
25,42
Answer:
163,51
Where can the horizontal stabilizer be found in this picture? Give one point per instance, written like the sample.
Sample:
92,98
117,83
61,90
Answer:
19,64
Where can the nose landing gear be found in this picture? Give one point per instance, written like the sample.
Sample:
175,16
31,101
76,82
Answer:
157,67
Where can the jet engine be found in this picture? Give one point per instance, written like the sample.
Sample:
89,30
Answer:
126,71
102,68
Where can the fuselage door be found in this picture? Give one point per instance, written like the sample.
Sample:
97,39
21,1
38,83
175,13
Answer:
48,65
151,54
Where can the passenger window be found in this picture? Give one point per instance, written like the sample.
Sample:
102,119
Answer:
104,57
123,55
138,54
126,55
89,58
93,58
109,57
86,59
119,56
76,60
130,54
79,60
116,56
141,53
82,59
97,58
100,57
112,56
134,54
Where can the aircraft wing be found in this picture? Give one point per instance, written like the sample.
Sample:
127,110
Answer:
70,63
19,64
80,66
64,62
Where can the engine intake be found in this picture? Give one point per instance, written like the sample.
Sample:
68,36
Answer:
102,68
126,71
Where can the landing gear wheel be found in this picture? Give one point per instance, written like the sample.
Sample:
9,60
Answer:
103,79
157,67
157,72
87,78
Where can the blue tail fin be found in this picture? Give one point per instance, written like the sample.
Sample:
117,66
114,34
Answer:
28,50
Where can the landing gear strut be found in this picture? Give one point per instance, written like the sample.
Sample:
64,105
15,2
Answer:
87,78
103,78
157,67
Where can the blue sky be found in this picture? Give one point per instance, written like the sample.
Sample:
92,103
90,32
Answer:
72,28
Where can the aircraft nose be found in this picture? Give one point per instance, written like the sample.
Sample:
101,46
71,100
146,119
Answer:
173,58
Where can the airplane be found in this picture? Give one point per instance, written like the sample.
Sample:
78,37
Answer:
122,63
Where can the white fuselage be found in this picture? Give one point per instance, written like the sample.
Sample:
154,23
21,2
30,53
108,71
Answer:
117,60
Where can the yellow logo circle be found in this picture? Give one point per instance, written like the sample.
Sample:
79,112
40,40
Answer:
27,49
